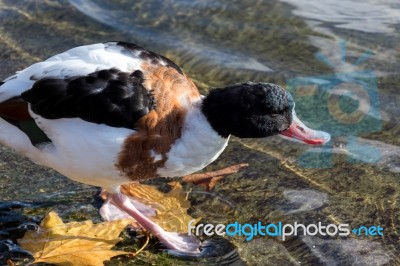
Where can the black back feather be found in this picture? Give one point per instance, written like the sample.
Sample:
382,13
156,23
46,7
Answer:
109,96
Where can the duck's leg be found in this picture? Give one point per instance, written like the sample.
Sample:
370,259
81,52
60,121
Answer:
174,241
105,211
110,212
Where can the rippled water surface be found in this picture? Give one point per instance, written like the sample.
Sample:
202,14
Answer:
339,59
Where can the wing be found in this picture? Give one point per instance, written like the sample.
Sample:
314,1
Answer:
82,61
99,83
108,96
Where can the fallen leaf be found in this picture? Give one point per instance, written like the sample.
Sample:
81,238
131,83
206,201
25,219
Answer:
210,179
74,243
171,208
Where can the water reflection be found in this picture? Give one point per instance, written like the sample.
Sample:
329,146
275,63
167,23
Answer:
304,200
367,16
349,251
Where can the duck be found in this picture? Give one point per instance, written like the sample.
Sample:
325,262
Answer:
114,113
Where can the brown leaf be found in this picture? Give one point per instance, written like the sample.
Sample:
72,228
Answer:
10,263
75,243
210,179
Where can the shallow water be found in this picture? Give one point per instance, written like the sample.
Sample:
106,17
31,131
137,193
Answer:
340,61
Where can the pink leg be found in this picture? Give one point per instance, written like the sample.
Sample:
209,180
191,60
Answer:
110,212
174,241
105,210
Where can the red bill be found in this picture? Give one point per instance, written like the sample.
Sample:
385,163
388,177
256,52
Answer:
299,131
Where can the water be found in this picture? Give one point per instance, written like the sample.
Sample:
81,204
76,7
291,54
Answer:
340,61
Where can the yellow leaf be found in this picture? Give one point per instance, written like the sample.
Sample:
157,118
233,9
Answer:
171,208
75,243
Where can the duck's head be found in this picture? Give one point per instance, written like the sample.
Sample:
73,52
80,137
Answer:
257,110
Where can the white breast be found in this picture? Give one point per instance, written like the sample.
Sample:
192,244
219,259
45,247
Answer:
198,146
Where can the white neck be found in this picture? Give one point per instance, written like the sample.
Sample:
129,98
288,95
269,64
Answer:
198,146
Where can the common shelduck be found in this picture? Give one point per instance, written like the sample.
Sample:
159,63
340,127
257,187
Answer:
113,113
